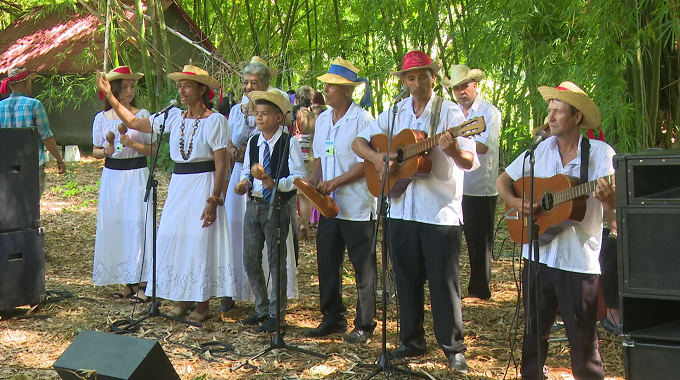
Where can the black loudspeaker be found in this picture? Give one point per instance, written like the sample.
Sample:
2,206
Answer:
114,357
651,360
648,178
22,268
19,178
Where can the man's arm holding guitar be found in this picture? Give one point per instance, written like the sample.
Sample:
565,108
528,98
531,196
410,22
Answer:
504,186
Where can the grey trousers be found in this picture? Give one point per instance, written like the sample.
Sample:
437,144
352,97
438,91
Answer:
257,230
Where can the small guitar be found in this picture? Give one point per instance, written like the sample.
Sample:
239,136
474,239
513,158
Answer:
412,147
561,198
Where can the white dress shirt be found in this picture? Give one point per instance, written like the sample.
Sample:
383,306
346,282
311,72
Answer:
333,146
482,182
242,127
435,199
574,248
296,164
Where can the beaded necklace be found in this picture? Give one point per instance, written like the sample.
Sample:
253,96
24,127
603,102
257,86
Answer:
186,155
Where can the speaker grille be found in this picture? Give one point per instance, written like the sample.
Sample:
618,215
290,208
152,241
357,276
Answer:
654,251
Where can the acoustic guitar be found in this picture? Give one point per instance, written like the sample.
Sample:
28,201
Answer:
561,198
324,203
413,155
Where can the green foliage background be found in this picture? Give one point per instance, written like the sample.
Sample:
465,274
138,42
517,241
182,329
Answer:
623,53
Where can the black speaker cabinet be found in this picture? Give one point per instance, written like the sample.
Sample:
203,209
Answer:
22,268
648,178
19,178
114,357
649,241
650,360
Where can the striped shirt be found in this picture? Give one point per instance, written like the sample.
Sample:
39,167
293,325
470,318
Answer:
21,111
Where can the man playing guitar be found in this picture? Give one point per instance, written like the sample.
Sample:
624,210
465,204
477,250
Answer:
569,264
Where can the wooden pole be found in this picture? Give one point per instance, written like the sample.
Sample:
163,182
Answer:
107,35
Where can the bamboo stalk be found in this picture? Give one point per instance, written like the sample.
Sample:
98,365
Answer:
164,42
106,35
148,74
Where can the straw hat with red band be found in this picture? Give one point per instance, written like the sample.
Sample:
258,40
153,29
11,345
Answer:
15,75
120,73
199,75
272,71
417,60
573,95
275,96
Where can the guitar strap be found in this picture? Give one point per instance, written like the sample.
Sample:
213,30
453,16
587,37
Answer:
585,158
434,114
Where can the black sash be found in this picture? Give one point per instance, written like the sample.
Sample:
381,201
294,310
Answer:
585,159
125,163
194,167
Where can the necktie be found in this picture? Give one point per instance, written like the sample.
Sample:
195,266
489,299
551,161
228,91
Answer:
267,193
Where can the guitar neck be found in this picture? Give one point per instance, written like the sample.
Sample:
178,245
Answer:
471,127
580,190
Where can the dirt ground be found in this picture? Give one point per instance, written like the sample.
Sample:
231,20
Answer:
29,346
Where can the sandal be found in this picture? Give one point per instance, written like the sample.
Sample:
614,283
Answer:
197,317
120,296
179,311
140,297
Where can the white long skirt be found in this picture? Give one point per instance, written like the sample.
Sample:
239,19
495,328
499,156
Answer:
236,210
124,241
193,263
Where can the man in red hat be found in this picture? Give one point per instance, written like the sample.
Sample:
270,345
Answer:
19,110
569,265
424,226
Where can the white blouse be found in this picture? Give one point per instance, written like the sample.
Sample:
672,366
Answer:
102,126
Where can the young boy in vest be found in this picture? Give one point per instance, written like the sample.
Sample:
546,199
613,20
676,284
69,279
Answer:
268,148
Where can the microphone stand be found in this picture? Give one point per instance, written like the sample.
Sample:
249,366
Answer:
277,341
533,277
152,183
385,363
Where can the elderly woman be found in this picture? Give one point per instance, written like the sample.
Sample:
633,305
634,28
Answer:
123,215
193,242
256,77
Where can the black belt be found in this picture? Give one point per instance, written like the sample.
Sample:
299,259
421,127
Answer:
194,167
125,163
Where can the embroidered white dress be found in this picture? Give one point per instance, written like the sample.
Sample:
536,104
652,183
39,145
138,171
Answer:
194,263
243,128
123,243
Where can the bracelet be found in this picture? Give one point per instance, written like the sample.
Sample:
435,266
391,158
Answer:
614,234
60,162
218,201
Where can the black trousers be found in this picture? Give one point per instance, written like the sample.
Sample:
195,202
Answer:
479,214
429,252
609,279
333,235
576,296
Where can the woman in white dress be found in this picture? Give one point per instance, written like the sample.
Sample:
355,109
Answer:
256,77
193,258
123,244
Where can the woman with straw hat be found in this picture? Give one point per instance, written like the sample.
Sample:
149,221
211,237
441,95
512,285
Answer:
193,243
257,75
122,213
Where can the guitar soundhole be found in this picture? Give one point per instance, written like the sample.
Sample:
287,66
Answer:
400,155
547,202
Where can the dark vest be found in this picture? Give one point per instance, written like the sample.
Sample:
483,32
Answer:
273,161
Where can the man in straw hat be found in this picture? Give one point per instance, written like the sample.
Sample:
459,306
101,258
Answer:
19,110
479,188
569,264
272,110
343,180
425,222
256,76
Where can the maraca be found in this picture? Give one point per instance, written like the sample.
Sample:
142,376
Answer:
110,137
122,129
240,188
257,170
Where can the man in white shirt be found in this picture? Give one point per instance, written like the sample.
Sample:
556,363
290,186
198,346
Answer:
569,266
343,179
479,188
424,223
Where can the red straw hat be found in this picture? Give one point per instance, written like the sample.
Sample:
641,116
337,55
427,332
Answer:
417,60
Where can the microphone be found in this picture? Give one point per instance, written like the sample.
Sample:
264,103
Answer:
403,93
173,103
540,136
302,103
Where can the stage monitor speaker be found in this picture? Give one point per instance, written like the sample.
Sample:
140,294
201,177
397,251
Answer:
648,178
114,357
19,178
22,268
649,246
651,360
